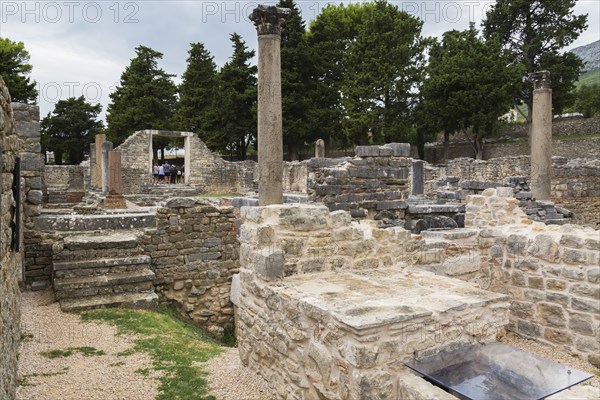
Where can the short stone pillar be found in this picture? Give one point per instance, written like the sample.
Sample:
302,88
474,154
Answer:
92,175
267,20
115,198
320,149
106,148
418,178
97,171
541,136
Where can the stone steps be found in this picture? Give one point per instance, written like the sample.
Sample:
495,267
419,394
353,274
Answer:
131,281
93,222
103,270
145,300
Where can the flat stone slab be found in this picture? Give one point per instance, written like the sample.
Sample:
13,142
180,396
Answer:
127,300
368,298
76,222
114,240
435,208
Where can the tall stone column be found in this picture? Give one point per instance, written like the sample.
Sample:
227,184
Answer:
267,20
541,136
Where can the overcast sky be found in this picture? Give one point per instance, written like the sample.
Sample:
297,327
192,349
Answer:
82,47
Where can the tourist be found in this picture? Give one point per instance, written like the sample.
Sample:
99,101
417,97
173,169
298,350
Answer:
167,172
173,172
155,170
161,173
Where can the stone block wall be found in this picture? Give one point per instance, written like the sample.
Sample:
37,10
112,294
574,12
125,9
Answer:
194,255
374,183
551,273
320,306
64,183
10,261
315,240
575,182
567,147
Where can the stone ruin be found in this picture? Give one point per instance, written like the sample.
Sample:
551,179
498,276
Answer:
382,258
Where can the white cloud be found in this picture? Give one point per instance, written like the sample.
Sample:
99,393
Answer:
74,44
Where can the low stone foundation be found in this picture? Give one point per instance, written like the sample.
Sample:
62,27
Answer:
338,323
194,255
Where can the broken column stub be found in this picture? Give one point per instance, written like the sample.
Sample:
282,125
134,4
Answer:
267,20
541,136
106,148
320,148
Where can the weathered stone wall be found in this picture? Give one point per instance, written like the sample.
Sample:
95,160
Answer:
10,261
194,255
376,181
64,183
321,310
572,180
551,273
567,147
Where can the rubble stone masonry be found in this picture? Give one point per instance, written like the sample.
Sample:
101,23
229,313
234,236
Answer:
10,261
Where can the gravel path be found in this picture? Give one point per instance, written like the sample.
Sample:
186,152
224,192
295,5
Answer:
111,377
107,377
77,377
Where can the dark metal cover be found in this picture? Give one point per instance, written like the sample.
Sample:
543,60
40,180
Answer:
496,371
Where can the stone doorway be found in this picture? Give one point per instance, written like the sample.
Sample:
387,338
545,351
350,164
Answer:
186,146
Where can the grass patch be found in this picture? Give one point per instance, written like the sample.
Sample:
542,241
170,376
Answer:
117,364
173,344
24,379
85,350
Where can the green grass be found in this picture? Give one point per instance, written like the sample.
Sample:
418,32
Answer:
589,78
174,345
86,351
25,382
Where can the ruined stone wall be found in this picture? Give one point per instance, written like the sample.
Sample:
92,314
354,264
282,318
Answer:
10,261
64,183
296,331
194,254
567,147
551,273
375,182
134,162
572,181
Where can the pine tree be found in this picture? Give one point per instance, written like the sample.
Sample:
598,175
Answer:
468,87
237,98
196,107
144,99
296,83
14,68
534,32
70,129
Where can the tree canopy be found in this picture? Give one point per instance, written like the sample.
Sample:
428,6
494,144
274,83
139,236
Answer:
370,59
196,106
144,99
70,129
14,69
237,96
534,32
468,86
297,85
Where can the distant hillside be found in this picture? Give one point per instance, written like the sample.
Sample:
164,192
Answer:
589,78
590,54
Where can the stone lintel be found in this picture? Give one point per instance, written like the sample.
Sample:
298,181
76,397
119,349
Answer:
267,19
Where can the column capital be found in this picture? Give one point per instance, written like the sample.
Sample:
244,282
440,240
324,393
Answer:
540,79
267,19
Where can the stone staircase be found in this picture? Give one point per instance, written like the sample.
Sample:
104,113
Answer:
103,270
